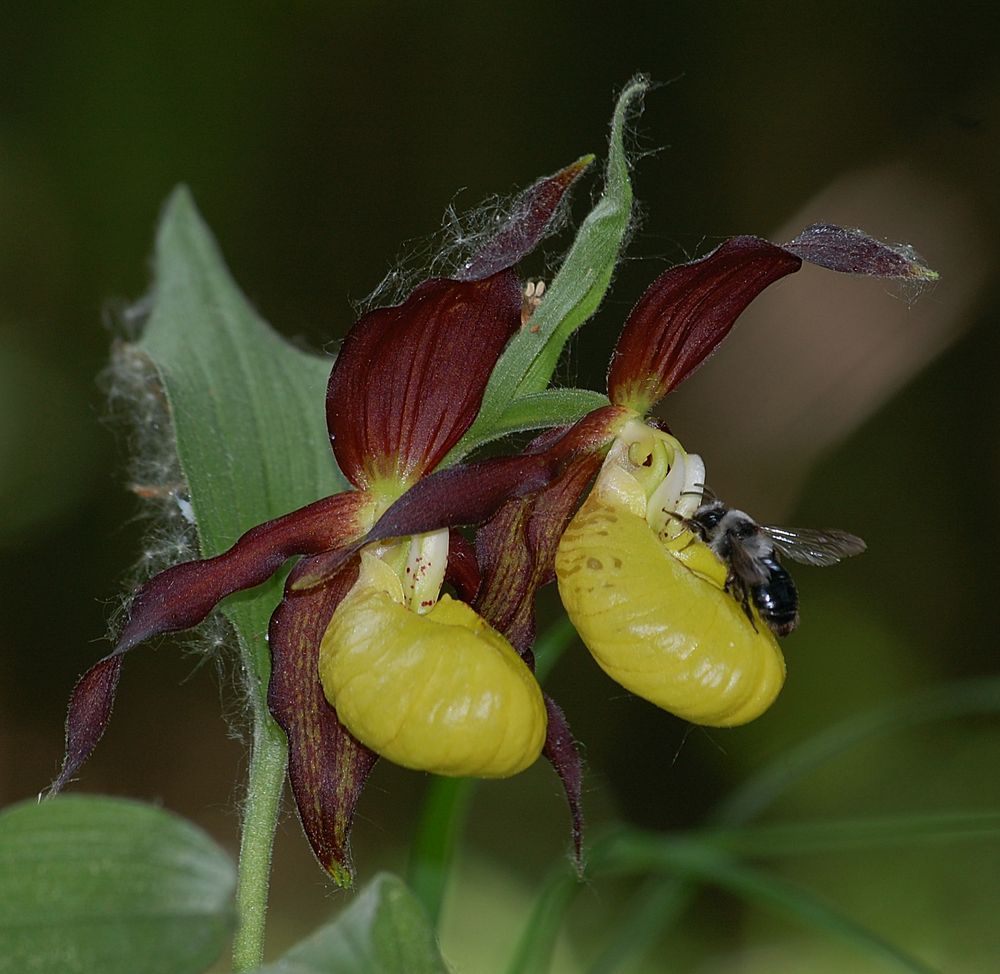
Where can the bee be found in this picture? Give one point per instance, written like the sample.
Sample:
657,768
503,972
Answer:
750,551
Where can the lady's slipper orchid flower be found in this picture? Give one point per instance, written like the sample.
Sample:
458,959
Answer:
648,597
373,659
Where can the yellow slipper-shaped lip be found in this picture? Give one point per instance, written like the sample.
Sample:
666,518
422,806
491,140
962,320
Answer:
440,692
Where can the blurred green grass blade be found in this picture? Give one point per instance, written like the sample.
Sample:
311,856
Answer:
447,801
633,853
852,835
533,953
93,884
651,912
384,931
247,408
657,908
962,699
550,646
443,814
575,293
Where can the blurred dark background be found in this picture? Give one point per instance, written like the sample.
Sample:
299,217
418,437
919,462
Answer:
317,138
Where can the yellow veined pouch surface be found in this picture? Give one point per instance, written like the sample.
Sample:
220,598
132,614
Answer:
440,691
659,622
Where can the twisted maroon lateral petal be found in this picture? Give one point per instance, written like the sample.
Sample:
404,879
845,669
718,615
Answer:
89,710
525,226
409,380
854,252
182,596
686,313
327,767
561,751
516,550
471,494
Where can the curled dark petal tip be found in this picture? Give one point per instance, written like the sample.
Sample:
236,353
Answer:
852,251
561,751
90,708
529,220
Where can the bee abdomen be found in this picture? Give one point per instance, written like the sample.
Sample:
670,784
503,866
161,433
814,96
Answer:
777,600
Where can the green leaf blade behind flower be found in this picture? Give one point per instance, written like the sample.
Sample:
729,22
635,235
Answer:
545,409
384,931
528,362
99,884
247,408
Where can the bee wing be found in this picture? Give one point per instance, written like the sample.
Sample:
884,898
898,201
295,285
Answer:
745,567
814,547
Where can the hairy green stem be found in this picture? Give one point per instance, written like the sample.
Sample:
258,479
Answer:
268,760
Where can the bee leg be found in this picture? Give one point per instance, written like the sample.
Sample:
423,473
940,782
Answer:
739,591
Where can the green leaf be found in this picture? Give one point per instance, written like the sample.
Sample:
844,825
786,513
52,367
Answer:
550,407
247,407
92,884
528,362
384,931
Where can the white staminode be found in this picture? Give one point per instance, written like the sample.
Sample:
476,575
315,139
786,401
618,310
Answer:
426,562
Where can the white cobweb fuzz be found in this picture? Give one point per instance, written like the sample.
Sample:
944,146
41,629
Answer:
444,252
139,413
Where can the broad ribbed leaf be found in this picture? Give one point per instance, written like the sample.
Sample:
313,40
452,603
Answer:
575,293
384,931
246,411
103,885
247,406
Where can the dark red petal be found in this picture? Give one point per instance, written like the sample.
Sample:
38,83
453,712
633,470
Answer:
89,710
560,749
471,494
516,550
463,570
854,252
525,226
409,380
182,596
686,313
327,767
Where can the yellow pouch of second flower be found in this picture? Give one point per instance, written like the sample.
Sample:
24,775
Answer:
655,614
440,691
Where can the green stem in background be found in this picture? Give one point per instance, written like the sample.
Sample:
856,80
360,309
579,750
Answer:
266,780
442,820
448,800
